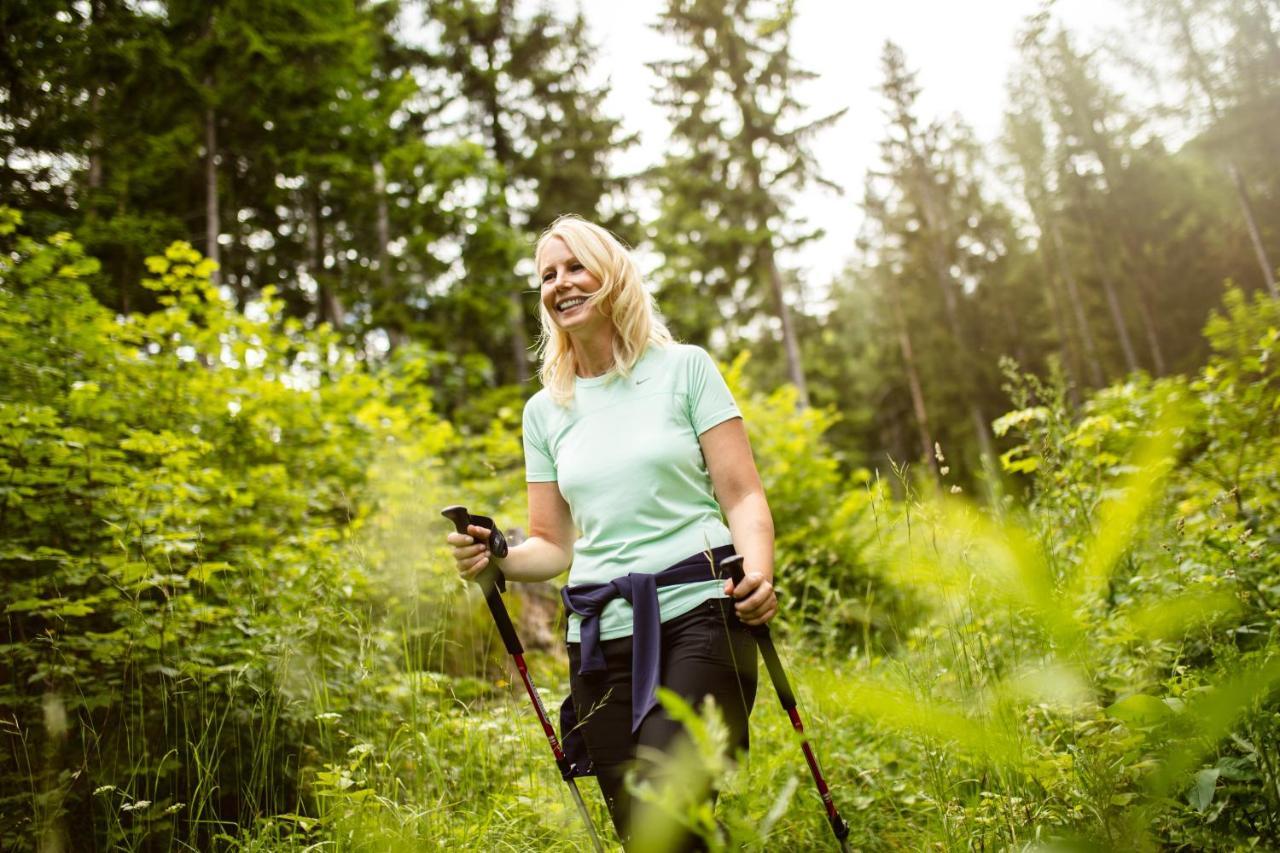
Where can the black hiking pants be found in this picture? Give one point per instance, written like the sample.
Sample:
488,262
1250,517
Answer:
705,652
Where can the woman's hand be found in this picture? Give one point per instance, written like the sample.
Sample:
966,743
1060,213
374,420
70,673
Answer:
757,601
470,550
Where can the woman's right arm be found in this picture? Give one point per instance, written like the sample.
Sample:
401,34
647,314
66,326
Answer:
546,553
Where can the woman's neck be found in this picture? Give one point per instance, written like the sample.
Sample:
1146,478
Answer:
595,357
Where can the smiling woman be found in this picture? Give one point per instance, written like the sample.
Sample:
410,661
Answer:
641,482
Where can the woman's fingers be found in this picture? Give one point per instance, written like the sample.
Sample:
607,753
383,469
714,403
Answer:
759,615
475,567
757,602
470,550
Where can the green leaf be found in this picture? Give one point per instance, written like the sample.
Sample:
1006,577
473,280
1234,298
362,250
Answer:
1140,709
204,571
1201,793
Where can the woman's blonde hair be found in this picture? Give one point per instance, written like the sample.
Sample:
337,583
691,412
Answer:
621,298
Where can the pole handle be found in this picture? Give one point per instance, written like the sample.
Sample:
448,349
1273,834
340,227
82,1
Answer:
491,580
734,566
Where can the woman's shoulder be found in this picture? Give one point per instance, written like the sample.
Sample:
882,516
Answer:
539,405
678,353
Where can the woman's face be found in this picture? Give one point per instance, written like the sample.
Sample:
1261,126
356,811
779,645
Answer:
565,285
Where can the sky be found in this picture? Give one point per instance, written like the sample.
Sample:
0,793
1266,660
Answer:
962,52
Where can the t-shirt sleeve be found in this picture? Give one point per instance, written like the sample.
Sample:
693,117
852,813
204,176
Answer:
539,466
710,401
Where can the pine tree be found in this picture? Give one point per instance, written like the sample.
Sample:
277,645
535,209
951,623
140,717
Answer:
1025,136
1095,141
739,150
930,204
522,85
1216,73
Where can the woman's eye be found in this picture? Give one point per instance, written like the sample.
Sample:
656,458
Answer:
575,267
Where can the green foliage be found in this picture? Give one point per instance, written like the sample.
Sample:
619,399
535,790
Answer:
1101,658
829,537
187,497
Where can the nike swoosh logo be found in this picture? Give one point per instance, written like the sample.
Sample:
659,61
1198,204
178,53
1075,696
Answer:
642,381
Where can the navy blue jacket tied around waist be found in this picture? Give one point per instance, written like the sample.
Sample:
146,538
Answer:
640,589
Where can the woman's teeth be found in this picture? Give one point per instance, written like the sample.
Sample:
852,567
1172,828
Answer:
570,303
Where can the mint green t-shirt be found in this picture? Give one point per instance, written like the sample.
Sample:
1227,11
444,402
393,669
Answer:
626,458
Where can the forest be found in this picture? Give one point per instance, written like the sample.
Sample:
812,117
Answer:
267,305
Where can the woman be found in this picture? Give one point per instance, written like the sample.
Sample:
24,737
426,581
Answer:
636,442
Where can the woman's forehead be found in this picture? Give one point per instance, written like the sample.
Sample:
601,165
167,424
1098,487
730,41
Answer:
553,250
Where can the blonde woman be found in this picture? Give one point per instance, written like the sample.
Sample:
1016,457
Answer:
641,480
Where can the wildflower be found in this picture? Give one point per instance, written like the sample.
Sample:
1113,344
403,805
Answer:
103,789
135,805
955,490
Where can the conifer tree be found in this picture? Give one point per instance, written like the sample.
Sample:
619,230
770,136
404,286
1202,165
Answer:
739,149
521,84
1220,87
1026,142
930,203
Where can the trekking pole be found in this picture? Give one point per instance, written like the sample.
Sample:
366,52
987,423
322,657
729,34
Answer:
493,583
788,699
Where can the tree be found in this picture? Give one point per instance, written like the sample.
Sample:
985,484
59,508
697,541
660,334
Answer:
930,211
738,150
522,86
1025,135
1213,72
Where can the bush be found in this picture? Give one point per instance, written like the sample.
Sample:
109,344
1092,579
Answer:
189,500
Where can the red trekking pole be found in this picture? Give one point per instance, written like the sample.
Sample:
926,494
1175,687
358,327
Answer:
494,584
788,699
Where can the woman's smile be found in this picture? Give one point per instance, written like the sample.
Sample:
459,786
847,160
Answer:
566,305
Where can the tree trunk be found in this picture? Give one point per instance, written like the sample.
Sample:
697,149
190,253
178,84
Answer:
1108,286
519,340
1113,306
795,369
384,224
95,145
329,307
913,383
1138,270
96,16
1053,295
395,334
504,155
211,223
1255,235
1077,308
939,245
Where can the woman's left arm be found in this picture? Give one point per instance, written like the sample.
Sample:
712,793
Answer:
741,495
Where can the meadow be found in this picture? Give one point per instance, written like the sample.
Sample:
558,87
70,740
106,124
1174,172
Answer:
231,622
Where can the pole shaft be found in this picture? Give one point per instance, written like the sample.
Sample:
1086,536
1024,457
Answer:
491,581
